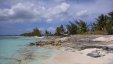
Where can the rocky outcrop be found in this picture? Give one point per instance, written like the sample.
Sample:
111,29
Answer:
104,47
43,43
55,41
97,50
97,53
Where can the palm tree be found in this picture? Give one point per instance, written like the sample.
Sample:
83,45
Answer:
62,30
57,32
109,24
111,15
72,28
82,26
104,23
100,22
47,32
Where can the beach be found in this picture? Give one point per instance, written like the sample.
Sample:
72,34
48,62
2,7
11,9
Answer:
79,57
74,49
84,49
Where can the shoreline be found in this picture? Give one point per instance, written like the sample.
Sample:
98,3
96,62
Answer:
80,49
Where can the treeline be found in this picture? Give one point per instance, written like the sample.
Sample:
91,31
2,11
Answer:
35,32
102,25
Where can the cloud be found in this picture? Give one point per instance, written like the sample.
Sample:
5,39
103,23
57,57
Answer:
18,13
30,12
51,10
55,11
42,12
90,9
81,13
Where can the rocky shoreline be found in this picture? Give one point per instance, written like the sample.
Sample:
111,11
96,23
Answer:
76,41
79,42
96,48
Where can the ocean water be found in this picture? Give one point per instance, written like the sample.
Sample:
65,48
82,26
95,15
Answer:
15,50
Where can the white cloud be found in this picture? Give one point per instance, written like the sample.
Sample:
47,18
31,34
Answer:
32,12
57,10
60,10
21,12
81,13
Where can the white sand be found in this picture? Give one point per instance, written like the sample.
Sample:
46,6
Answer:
104,38
64,38
79,57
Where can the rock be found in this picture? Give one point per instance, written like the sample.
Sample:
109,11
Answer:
97,53
31,44
104,47
86,47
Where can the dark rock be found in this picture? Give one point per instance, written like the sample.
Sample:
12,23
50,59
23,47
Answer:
97,53
107,48
31,44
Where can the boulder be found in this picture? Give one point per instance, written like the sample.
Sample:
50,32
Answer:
97,53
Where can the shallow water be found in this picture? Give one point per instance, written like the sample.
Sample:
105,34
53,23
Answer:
14,50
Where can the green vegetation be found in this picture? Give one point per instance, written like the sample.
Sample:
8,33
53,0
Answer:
102,25
35,32
47,33
72,28
60,30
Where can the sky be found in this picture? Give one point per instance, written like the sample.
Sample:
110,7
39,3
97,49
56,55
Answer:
20,16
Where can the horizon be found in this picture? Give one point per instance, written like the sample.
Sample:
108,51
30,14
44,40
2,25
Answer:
20,16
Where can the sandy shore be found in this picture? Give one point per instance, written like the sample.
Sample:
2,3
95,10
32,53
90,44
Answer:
80,49
79,57
75,56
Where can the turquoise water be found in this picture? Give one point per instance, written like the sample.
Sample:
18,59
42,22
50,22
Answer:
15,50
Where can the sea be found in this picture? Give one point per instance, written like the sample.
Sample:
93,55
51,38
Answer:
16,50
